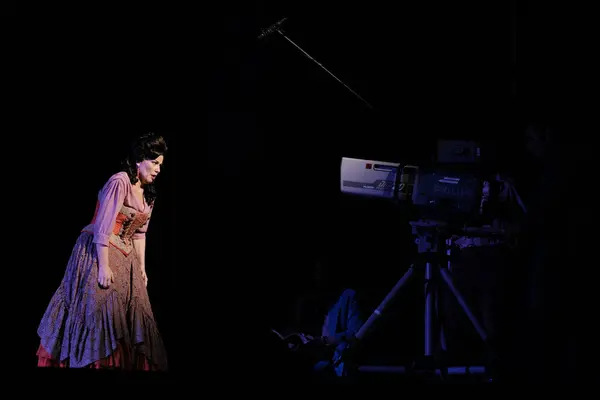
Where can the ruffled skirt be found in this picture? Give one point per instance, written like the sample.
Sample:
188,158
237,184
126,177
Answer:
85,326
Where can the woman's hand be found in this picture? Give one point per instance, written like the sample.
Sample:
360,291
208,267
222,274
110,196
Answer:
145,278
105,276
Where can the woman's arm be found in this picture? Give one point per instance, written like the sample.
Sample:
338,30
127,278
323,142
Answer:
140,249
139,245
110,202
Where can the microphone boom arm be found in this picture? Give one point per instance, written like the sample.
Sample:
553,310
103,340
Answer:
277,28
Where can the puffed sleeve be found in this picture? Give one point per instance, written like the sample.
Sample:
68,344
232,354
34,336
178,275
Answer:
110,200
141,232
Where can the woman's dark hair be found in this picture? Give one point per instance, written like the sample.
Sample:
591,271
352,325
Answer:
146,147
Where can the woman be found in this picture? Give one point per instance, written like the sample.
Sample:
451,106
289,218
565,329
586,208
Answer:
100,316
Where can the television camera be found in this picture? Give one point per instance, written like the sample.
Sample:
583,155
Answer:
450,189
446,198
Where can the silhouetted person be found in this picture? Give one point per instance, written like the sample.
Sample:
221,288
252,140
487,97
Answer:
480,267
544,337
323,321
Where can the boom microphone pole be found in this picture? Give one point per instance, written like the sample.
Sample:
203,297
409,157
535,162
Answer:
276,27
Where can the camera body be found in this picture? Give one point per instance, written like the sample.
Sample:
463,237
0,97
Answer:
449,186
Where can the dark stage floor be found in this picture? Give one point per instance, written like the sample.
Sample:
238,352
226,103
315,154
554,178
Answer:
56,376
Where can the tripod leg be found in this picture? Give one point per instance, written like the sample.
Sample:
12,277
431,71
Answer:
440,319
377,313
429,308
442,362
448,279
431,358
439,311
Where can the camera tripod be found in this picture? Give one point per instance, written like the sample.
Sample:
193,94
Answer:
430,237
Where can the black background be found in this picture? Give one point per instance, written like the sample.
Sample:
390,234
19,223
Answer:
250,188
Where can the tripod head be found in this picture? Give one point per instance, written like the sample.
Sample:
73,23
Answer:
429,234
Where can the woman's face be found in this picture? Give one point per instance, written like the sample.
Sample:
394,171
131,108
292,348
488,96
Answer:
148,170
